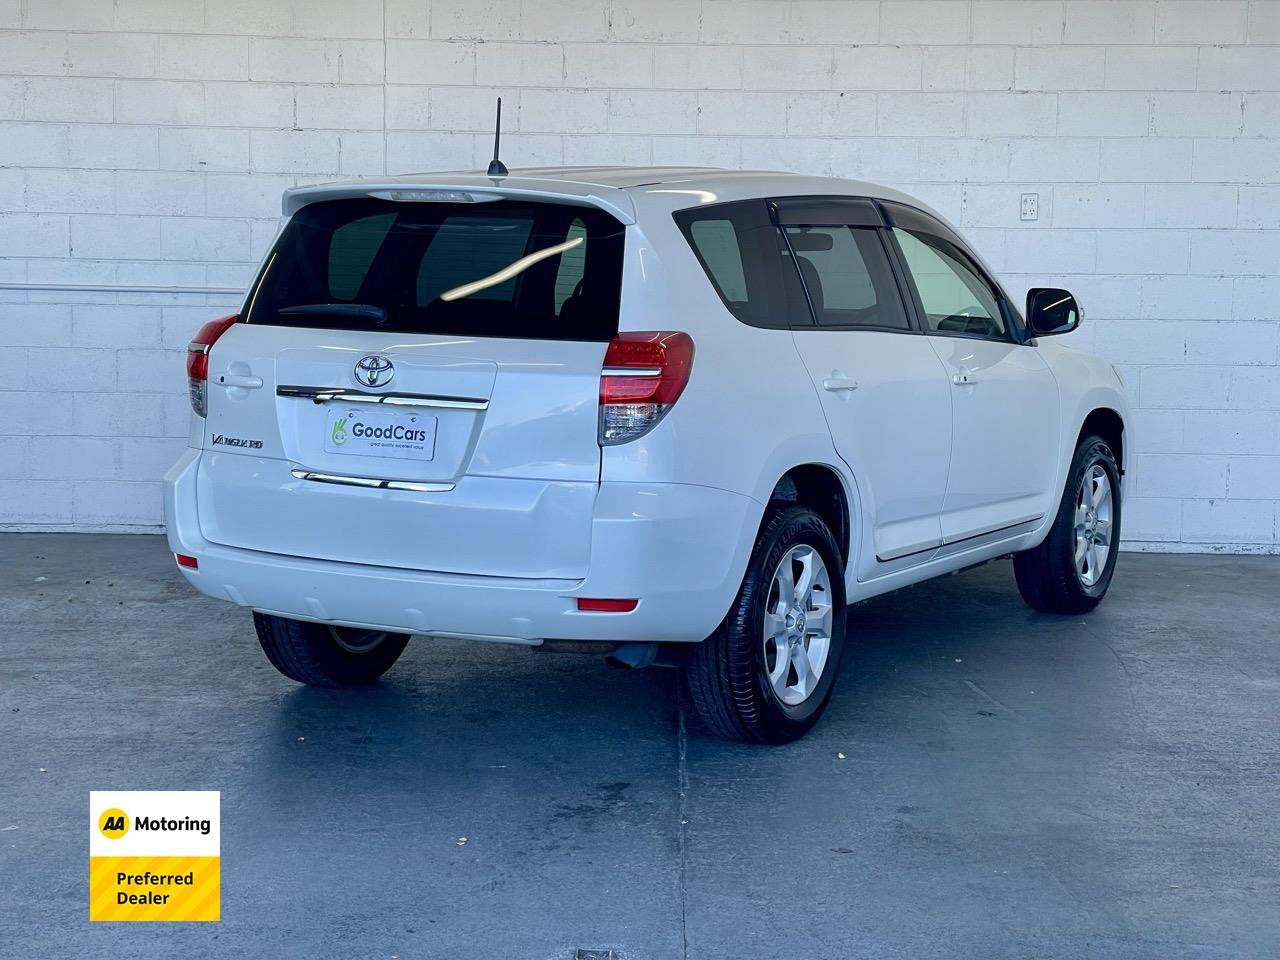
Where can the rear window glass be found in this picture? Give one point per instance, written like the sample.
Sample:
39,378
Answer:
497,269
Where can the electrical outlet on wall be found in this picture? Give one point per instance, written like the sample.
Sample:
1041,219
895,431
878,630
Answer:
1031,206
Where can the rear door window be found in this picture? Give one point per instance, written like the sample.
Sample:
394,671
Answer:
497,269
847,275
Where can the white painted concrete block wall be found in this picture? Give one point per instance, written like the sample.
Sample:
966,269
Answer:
145,143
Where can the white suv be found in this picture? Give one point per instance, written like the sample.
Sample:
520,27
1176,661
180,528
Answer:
677,414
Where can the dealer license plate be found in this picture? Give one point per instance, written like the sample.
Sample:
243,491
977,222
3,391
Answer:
374,432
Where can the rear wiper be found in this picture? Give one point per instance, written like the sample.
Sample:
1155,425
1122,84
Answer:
366,311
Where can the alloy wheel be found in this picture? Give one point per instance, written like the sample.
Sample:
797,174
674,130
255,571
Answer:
797,625
1093,525
353,640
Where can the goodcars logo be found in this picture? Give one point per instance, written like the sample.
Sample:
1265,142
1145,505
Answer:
397,432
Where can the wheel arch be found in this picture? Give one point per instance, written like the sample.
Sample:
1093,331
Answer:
822,489
1109,424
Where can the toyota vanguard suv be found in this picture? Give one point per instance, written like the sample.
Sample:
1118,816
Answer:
680,415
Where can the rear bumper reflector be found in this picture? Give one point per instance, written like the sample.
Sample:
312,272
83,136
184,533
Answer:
187,561
606,606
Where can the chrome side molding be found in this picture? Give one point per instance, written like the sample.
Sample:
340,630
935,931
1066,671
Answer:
344,395
371,482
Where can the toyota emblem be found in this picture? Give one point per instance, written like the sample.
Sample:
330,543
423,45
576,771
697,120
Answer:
374,371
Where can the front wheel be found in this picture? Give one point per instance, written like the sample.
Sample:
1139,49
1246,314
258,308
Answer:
766,674
321,655
1070,571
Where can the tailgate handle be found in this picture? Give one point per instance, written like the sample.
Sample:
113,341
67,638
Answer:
234,380
325,394
837,384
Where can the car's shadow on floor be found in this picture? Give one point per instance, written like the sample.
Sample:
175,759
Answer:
451,708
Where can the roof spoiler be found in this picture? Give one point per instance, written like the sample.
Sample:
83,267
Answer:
464,189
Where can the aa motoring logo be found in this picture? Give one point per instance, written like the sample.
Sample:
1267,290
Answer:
114,824
154,855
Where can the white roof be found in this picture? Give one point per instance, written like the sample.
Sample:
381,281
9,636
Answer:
620,190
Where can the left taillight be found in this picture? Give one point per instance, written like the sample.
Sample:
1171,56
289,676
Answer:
644,374
198,361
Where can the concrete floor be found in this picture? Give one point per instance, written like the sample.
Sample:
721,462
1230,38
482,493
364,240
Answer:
1013,785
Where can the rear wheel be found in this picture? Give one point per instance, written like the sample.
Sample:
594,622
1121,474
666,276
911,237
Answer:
1071,570
766,674
321,655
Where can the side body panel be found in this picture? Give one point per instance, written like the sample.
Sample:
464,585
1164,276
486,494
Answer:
1005,436
742,423
749,412
894,425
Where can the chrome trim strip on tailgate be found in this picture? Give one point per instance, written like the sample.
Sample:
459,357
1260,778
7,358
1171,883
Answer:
631,372
371,482
343,395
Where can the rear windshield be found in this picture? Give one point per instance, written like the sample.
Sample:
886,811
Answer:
498,269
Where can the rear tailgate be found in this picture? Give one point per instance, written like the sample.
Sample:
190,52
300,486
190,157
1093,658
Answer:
367,412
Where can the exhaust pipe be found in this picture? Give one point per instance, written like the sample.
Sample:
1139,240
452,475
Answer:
628,655
633,656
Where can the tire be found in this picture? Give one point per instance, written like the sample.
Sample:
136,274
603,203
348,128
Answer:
1054,577
729,673
321,655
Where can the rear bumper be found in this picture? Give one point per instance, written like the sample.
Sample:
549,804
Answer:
681,550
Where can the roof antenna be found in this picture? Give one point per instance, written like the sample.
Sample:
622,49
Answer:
496,167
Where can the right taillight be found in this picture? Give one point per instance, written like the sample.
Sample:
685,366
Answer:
198,361
644,374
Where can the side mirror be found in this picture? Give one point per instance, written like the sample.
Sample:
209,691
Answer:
1051,310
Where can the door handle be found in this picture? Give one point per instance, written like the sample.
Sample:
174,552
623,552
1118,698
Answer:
964,379
234,380
837,384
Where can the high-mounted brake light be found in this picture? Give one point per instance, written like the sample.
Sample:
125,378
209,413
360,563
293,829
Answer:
644,374
198,361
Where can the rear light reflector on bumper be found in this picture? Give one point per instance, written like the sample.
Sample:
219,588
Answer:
198,361
606,606
187,561
644,374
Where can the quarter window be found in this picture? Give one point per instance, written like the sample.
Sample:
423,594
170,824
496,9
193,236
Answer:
744,258
955,296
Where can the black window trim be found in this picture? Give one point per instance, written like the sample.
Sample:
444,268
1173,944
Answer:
868,213
825,211
1015,328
